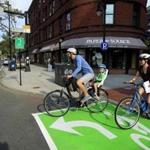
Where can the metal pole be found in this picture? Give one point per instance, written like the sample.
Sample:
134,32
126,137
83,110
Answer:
104,20
26,36
9,31
20,67
59,51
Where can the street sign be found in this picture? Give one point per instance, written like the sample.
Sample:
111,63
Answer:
17,30
104,46
26,28
19,43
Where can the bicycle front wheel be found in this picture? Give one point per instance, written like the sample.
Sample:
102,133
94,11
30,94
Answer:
56,103
98,104
127,113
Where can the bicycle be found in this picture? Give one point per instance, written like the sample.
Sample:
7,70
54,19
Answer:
128,110
61,100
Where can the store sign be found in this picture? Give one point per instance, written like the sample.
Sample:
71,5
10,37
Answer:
111,41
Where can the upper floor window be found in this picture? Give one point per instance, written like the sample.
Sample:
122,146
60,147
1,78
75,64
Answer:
136,15
61,25
49,31
109,14
68,21
52,7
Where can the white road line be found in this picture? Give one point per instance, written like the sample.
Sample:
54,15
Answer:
47,137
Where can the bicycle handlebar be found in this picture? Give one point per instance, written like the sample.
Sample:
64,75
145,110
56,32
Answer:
132,83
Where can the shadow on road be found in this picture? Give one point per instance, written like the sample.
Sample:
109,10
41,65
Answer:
4,146
40,108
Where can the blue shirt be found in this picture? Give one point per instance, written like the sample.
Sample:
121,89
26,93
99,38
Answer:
81,66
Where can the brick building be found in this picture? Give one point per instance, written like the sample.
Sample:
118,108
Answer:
148,22
59,24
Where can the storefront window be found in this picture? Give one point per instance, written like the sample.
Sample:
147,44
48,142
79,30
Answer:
117,61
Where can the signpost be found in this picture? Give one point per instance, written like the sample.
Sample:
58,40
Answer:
19,44
104,46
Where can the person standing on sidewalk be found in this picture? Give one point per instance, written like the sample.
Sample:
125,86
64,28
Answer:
144,73
81,67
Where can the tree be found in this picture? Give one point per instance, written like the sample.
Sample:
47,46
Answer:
147,42
7,22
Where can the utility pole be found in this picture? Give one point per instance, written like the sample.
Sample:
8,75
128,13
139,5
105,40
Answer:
9,31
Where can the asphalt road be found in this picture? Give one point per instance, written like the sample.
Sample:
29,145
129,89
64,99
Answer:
18,129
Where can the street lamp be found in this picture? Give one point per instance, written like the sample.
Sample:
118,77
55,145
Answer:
101,10
60,41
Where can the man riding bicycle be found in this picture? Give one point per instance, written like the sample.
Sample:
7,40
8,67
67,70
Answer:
81,67
144,73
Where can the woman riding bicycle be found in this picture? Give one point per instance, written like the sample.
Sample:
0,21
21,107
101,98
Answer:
144,72
81,67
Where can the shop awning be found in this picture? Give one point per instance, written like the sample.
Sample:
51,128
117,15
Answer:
47,48
35,51
113,42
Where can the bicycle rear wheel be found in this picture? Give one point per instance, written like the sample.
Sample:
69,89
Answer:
56,103
148,115
127,113
98,104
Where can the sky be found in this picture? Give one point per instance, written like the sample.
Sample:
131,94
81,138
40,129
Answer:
23,6
148,3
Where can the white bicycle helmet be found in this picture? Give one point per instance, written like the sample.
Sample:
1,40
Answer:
72,50
102,66
144,56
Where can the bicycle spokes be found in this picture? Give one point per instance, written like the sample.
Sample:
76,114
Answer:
127,113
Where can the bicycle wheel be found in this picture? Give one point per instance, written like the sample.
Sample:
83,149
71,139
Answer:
148,115
127,113
56,103
98,104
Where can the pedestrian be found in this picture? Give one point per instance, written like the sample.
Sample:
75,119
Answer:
49,65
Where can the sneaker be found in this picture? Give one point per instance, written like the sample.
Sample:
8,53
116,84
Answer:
96,96
85,98
148,109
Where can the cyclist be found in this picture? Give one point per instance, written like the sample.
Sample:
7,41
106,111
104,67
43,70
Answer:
100,78
81,67
143,72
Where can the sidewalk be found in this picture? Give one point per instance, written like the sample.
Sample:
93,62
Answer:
40,81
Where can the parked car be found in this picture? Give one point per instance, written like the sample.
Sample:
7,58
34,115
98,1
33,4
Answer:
6,61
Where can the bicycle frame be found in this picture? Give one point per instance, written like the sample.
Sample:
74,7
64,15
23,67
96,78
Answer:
139,99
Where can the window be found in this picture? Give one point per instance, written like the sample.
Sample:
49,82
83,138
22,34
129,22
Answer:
49,32
136,15
109,14
60,25
53,6
68,21
50,9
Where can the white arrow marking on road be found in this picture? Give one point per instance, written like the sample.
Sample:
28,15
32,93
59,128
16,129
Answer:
60,124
